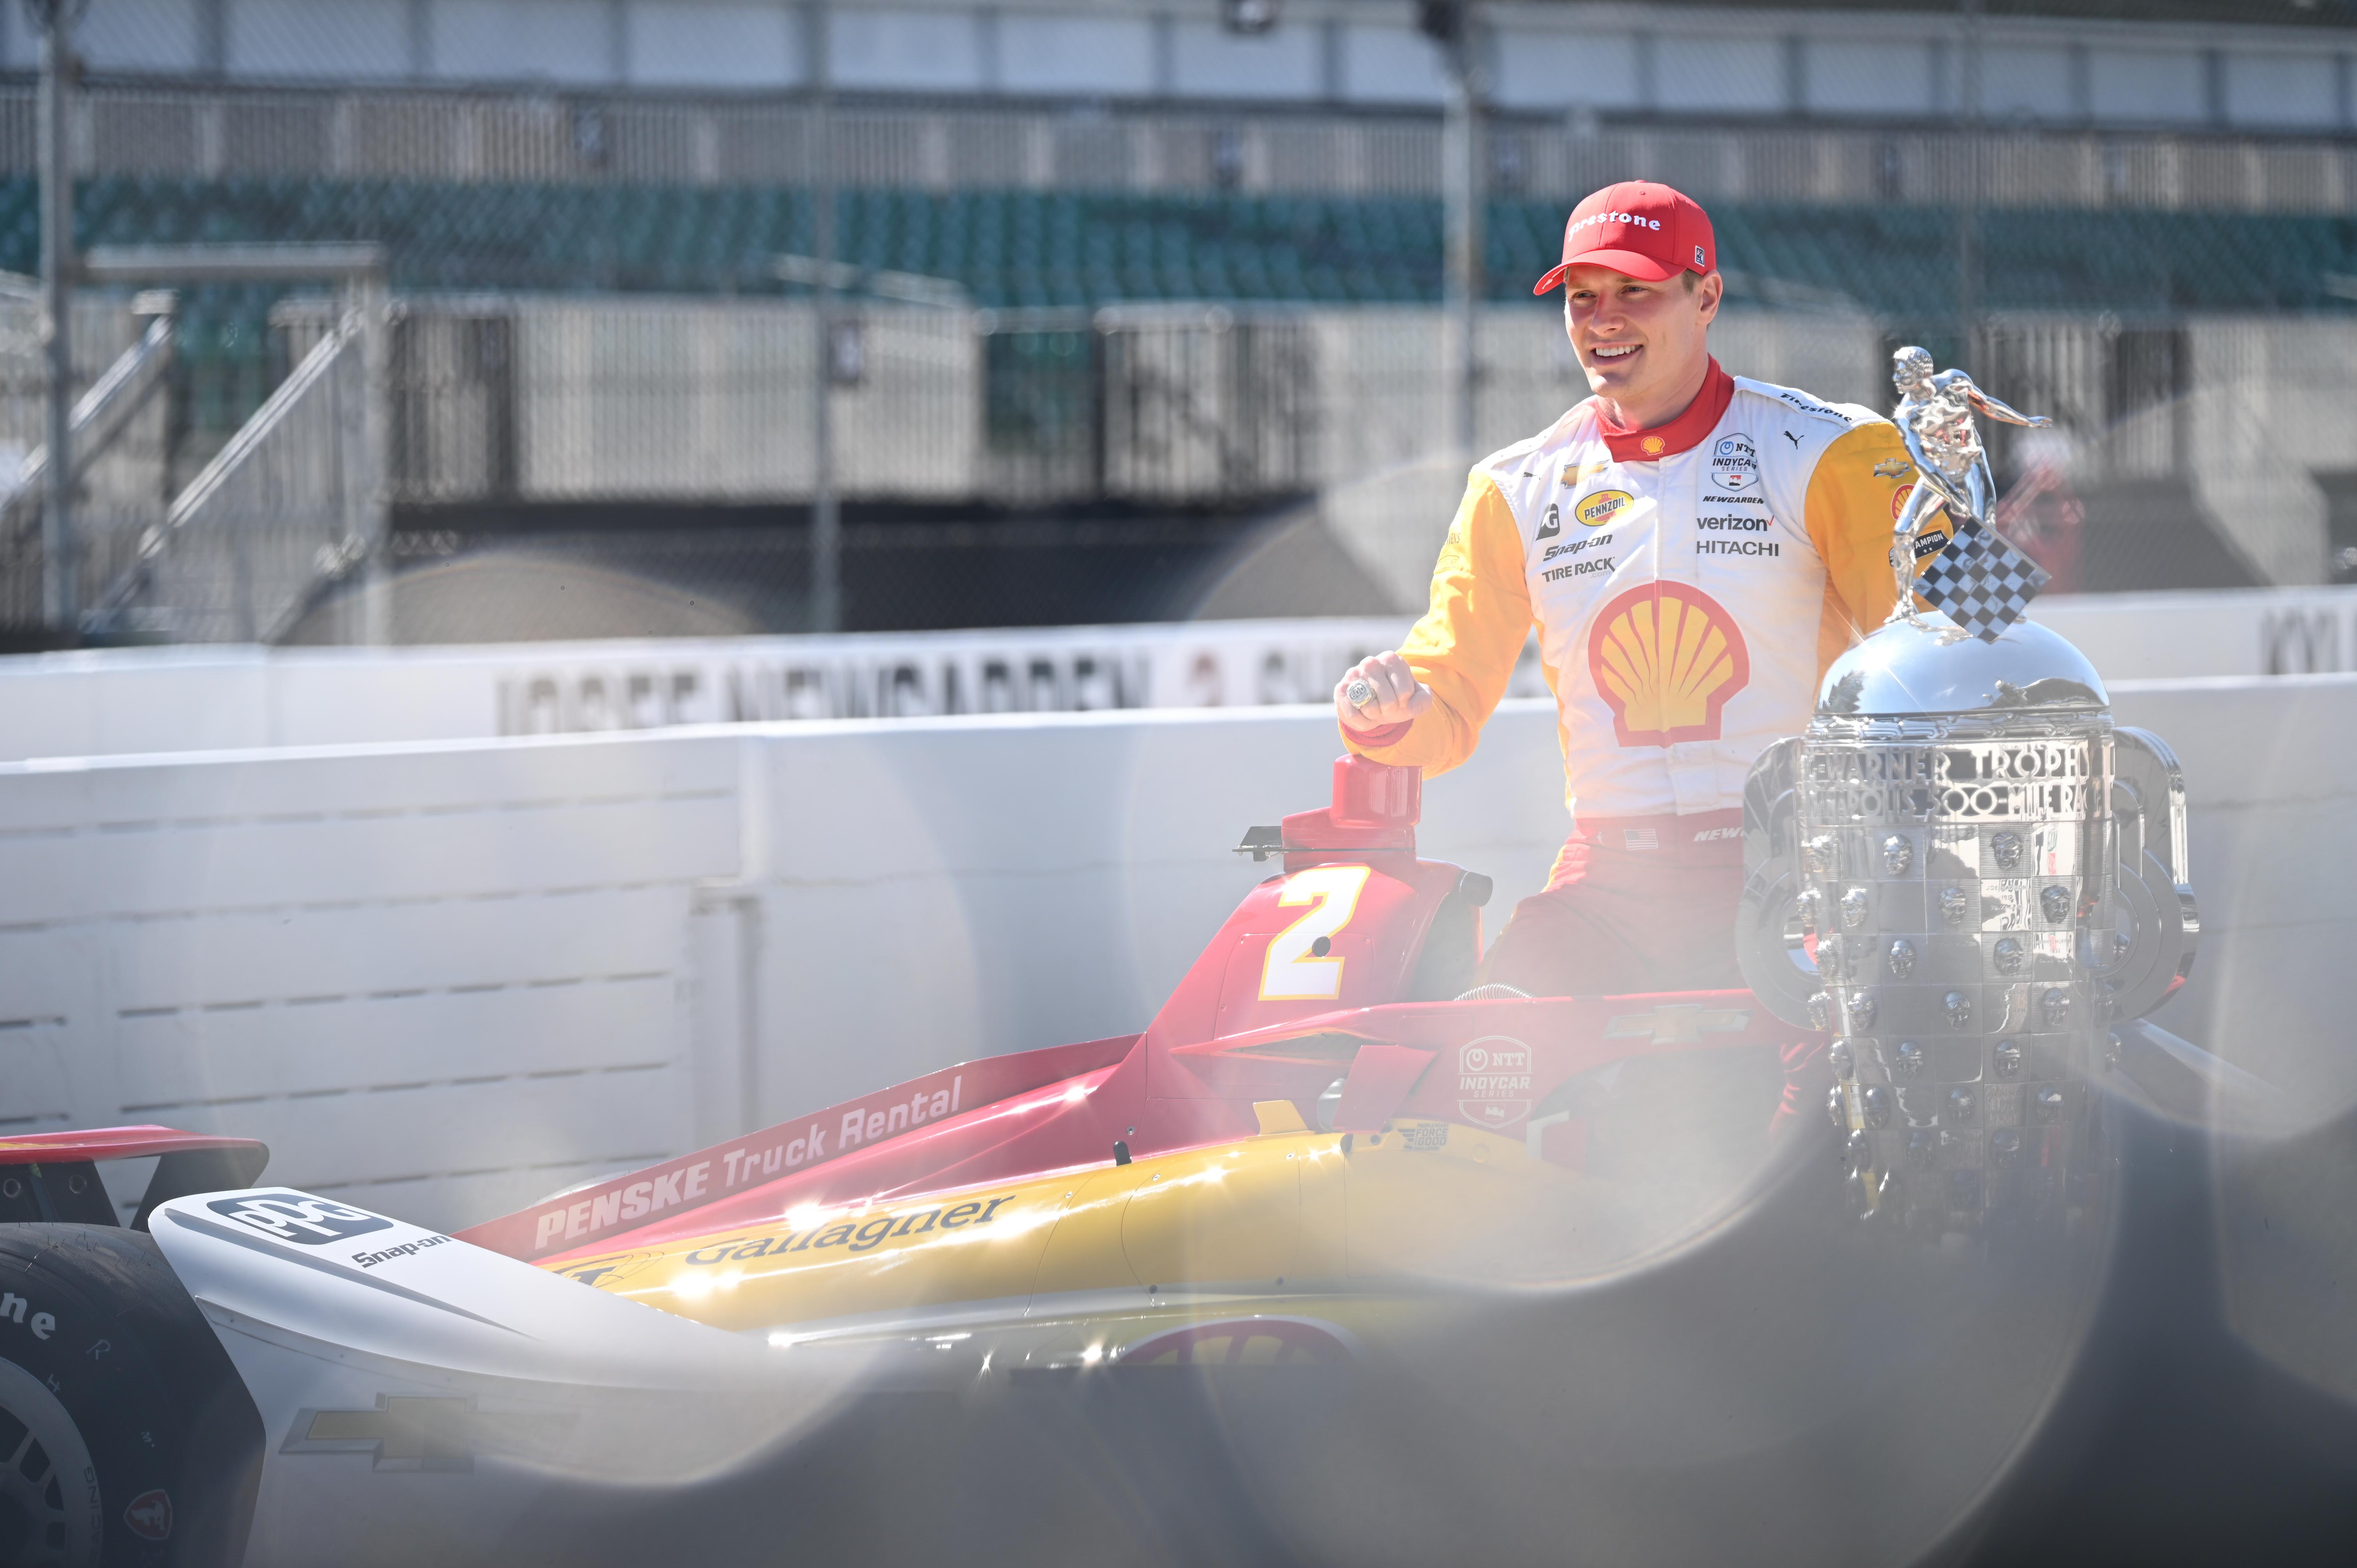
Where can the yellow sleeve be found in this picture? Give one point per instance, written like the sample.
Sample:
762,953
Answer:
1466,643
1854,500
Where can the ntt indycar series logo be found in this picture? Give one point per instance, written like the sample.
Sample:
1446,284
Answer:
299,1218
1735,463
1493,1081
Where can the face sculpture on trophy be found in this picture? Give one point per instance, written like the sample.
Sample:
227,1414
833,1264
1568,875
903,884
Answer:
1966,874
1979,579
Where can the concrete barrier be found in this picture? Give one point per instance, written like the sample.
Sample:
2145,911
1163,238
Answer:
444,979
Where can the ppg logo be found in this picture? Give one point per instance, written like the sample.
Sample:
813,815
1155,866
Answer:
293,1217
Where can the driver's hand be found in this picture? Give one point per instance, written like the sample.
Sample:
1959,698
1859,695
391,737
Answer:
1395,694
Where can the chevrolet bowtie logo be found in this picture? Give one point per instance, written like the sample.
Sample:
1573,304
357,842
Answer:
1676,1022
420,1434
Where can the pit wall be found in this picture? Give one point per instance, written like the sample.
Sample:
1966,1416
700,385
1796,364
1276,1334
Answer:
117,701
444,979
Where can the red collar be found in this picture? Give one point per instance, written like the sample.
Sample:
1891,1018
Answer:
1680,435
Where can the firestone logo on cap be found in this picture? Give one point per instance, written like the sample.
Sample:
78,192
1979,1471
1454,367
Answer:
1638,228
1580,224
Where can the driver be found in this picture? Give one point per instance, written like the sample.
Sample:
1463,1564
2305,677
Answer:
1692,549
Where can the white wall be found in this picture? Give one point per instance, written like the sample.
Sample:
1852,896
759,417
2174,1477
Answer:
444,980
437,979
118,701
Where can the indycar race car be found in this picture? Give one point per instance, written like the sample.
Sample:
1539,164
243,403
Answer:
1340,1258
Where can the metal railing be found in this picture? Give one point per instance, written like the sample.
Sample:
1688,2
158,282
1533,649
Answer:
275,517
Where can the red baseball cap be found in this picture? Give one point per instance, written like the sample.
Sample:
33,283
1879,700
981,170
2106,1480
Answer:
1644,229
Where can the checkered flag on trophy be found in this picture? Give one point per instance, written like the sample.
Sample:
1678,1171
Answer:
1981,582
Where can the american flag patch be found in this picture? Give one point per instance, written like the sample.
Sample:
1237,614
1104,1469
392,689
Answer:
1640,838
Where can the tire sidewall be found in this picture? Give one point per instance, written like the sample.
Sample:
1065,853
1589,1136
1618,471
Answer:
138,1372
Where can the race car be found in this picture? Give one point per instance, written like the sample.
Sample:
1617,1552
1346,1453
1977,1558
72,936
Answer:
1336,1240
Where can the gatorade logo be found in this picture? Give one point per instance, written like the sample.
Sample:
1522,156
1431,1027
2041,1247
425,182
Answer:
1596,510
1666,658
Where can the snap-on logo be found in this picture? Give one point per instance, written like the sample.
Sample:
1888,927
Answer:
297,1217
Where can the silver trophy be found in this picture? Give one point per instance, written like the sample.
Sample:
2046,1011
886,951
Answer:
1966,874
1934,416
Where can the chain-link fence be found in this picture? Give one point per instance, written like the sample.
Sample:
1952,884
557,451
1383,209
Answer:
1014,468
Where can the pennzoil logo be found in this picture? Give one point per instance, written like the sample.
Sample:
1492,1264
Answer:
1666,658
1596,510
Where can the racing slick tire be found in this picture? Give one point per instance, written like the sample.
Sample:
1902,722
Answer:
126,1439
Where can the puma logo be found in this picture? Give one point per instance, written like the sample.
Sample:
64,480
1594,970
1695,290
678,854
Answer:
1793,439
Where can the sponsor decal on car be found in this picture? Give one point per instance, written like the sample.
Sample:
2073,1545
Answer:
1596,510
855,1231
698,1179
1735,462
371,1260
1493,1080
858,1232
299,1217
148,1516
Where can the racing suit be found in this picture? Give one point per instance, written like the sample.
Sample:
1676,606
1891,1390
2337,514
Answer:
1689,585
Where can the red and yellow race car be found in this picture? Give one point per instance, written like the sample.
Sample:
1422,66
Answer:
1340,1258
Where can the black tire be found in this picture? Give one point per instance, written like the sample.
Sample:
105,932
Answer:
126,1439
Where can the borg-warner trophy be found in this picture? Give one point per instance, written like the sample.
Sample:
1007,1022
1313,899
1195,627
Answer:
1969,874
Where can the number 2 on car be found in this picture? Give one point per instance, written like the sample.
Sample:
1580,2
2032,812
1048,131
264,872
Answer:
1296,969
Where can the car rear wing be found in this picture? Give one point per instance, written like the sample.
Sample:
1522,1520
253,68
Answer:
53,1176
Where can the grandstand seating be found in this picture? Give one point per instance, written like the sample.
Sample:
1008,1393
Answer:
1041,249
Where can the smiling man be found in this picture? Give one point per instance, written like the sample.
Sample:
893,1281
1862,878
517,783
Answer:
1692,549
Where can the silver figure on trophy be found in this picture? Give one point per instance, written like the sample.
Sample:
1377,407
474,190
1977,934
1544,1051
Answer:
1934,415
